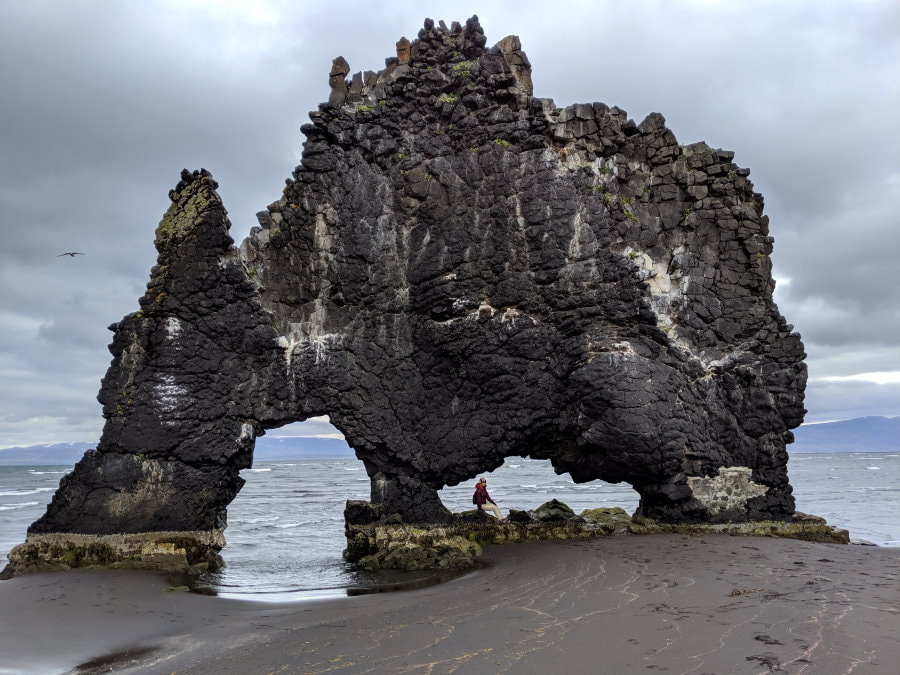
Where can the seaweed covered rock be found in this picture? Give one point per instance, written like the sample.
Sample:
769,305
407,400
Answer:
409,548
609,520
387,545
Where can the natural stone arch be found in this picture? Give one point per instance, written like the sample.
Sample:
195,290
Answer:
524,483
458,272
285,525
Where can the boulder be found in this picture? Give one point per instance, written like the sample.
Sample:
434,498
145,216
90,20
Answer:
609,520
517,516
552,510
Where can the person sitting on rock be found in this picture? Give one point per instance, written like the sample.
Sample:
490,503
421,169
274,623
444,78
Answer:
484,501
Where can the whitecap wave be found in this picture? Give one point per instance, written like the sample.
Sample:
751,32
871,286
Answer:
19,493
254,521
302,523
11,507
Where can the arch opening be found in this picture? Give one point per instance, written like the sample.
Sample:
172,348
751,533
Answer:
525,483
285,528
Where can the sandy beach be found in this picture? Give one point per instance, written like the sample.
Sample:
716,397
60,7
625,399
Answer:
672,603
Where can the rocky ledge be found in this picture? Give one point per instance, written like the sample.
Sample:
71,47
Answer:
375,541
185,552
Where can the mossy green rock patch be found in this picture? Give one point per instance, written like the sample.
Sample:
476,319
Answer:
387,544
415,548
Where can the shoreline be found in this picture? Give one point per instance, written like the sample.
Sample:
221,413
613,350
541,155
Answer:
710,603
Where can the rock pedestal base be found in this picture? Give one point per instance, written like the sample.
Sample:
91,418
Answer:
388,544
186,552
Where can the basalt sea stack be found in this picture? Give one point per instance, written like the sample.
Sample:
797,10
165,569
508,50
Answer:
457,272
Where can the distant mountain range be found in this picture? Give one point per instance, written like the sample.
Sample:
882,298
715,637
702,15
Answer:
863,434
268,449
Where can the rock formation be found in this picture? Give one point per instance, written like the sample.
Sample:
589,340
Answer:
456,273
384,544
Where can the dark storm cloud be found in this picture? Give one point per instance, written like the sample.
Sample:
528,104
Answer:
104,103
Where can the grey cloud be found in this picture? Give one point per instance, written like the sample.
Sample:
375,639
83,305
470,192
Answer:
838,361
828,401
104,103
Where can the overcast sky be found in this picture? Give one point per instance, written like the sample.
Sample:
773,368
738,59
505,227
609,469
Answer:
104,102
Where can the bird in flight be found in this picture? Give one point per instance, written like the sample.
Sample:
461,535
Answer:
71,254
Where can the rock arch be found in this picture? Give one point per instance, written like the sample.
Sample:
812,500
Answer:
456,273
523,484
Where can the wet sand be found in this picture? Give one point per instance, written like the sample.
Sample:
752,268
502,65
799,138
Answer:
671,603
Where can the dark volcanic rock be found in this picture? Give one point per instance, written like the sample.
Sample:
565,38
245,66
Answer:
553,510
459,272
517,516
188,372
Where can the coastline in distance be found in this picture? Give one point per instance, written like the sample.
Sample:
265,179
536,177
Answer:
861,434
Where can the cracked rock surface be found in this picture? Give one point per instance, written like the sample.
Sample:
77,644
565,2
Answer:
458,272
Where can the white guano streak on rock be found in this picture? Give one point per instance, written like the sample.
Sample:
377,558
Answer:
730,489
173,327
578,231
665,291
288,346
321,346
520,218
246,432
169,397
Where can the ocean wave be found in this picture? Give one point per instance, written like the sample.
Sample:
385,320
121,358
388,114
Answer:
259,470
302,523
42,473
11,507
255,521
874,468
19,493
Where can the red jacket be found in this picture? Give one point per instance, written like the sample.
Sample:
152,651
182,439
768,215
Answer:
482,496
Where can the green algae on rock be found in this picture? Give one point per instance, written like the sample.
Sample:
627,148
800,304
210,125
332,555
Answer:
390,544
187,552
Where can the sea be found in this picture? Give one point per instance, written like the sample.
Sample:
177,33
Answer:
286,529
